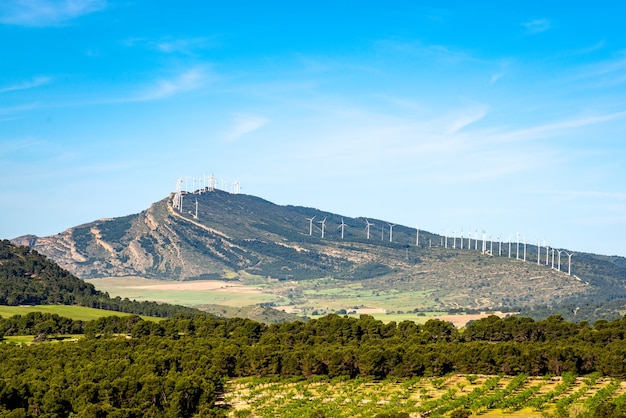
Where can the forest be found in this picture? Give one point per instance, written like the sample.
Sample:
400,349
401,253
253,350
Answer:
177,367
29,278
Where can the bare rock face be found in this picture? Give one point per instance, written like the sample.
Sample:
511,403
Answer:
234,235
146,244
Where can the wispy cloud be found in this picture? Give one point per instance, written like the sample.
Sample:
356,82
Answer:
555,128
46,12
467,119
243,124
536,26
35,82
169,45
189,80
496,77
417,48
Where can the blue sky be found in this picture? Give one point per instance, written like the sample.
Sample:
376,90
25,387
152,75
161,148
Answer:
466,116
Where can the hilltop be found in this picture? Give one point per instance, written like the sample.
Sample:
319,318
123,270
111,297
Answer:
238,235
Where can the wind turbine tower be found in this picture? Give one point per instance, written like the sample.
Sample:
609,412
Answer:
553,259
342,226
524,248
454,239
323,222
569,264
484,241
367,227
177,203
196,215
310,225
212,183
236,187
391,232
461,238
559,259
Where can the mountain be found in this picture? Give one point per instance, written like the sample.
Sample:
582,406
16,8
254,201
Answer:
235,235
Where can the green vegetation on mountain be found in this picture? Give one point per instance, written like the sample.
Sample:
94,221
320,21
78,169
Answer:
29,278
237,236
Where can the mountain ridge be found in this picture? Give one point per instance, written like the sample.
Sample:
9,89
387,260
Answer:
238,234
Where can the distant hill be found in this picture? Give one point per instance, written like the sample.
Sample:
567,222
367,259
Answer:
29,278
257,313
237,234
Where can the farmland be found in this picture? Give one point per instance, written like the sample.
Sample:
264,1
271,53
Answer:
485,396
312,298
69,311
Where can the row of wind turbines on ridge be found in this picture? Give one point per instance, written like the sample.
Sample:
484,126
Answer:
461,240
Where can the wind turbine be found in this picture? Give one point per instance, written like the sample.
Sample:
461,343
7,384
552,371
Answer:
310,225
484,241
461,238
500,245
454,239
196,215
476,240
391,231
559,259
553,259
342,226
367,227
569,263
323,223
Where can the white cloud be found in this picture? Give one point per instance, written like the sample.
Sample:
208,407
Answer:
465,120
46,12
537,26
35,82
245,124
189,80
564,125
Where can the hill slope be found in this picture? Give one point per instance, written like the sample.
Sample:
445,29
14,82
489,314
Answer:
236,235
29,278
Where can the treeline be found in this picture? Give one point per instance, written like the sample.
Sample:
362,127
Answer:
176,367
29,278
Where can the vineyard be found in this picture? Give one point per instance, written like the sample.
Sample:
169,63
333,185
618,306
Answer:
484,396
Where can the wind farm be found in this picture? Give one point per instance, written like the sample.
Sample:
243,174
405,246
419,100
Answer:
306,260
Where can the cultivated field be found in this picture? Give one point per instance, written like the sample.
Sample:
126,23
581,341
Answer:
310,298
68,311
485,396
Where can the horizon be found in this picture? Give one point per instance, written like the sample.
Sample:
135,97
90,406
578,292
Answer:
466,116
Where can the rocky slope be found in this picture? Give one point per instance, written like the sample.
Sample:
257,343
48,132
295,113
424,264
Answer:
235,235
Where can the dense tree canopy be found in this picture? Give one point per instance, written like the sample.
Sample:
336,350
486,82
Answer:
29,278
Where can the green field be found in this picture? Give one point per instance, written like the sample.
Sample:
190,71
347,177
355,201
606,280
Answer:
68,311
190,293
484,396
